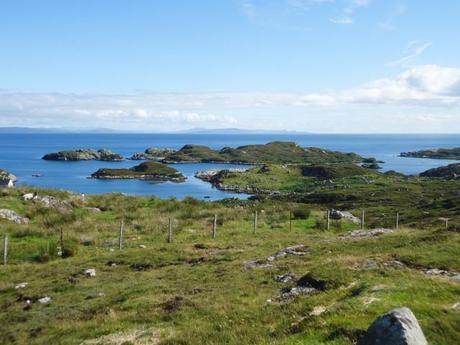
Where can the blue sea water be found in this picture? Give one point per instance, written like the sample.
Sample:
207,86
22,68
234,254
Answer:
21,155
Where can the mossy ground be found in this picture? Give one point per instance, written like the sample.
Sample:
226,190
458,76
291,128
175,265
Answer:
197,289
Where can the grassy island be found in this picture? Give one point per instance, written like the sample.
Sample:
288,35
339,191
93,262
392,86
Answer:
275,152
144,171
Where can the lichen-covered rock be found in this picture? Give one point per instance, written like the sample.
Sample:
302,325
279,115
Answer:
336,214
397,327
13,216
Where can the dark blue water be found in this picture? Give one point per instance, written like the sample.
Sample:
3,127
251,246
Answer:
21,155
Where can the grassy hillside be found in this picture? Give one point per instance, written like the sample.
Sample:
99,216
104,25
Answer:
274,152
200,290
349,186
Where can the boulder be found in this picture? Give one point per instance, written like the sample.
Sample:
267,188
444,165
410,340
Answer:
13,216
336,214
90,272
397,327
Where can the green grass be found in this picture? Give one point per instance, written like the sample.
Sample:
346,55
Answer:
197,290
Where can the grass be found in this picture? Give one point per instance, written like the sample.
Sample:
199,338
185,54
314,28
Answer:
197,289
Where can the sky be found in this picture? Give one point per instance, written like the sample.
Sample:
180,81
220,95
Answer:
321,66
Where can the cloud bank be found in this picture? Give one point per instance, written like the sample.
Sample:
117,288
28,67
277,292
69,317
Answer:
427,94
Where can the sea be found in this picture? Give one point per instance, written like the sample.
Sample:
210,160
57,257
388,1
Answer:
21,153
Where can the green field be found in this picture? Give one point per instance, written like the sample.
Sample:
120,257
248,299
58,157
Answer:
199,290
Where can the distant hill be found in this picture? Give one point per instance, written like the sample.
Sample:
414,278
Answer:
238,131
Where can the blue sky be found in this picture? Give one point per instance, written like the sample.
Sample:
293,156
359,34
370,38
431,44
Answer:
311,65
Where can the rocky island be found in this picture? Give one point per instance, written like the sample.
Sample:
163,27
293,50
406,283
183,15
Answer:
144,171
453,153
84,155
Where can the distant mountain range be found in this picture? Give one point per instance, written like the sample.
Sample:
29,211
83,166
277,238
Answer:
34,130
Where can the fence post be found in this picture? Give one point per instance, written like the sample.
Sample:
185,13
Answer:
290,220
255,222
214,227
328,215
61,241
362,220
170,234
5,249
397,220
120,235
447,223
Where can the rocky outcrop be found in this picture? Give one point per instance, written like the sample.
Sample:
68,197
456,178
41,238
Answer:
338,215
368,233
6,179
47,200
453,153
84,155
450,172
13,216
152,153
210,175
397,327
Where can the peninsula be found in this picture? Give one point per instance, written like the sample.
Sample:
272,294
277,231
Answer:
453,153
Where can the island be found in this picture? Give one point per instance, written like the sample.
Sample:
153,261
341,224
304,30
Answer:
278,152
453,153
144,171
84,155
153,153
449,172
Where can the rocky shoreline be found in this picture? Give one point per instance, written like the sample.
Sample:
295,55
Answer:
84,155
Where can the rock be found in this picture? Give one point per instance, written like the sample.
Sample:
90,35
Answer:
143,246
285,278
47,200
21,285
93,209
397,327
257,264
368,233
436,272
90,272
44,300
153,153
456,306
6,179
394,264
293,250
290,293
456,278
336,214
13,216
318,310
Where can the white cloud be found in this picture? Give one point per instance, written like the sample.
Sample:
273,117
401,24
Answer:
413,50
426,94
342,20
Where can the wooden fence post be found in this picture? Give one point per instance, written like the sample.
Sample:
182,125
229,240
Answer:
61,241
290,220
5,249
214,227
255,222
328,215
120,235
170,234
362,220
397,220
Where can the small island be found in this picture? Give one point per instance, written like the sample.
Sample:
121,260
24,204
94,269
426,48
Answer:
453,153
144,171
84,155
